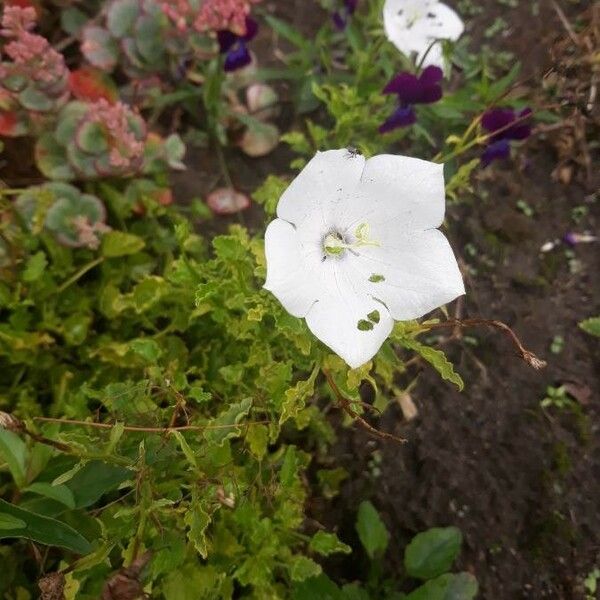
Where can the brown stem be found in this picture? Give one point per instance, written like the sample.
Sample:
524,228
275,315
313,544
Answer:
529,357
344,403
133,428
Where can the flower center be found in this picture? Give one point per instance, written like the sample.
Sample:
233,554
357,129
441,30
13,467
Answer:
335,244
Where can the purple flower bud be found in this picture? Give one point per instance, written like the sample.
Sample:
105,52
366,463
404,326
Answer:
505,124
403,116
495,151
411,90
339,20
234,46
341,17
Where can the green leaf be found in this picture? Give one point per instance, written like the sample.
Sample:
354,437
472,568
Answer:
288,32
119,243
13,451
437,359
198,520
258,439
303,567
371,530
72,20
591,326
91,138
431,553
224,426
461,586
321,588
185,448
295,397
147,348
90,482
121,16
43,530
9,522
36,265
328,543
60,493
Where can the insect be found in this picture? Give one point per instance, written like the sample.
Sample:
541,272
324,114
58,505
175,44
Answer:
352,152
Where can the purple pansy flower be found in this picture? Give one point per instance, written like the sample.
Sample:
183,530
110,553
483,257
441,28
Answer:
411,90
341,17
504,125
235,46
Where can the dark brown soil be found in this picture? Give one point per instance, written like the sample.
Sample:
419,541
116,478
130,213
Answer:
522,483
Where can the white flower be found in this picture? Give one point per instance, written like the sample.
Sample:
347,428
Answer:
413,26
356,246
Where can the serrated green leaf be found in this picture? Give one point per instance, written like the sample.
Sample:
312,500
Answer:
198,520
303,567
591,326
224,426
328,543
437,359
258,439
35,267
119,243
296,397
185,448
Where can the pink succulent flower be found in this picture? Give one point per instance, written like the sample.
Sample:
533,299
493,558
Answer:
218,15
125,148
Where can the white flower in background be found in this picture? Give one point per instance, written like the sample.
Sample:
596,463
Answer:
413,26
356,246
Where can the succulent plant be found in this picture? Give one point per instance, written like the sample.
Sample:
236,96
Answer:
144,37
34,82
100,139
76,219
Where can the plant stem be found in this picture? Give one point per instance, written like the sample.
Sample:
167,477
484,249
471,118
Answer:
69,282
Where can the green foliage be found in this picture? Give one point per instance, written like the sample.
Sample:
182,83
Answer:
432,552
429,556
461,586
20,523
591,326
371,530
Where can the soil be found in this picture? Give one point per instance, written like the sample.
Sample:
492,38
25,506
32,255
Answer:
521,482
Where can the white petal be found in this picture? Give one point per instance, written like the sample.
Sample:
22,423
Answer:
288,277
412,26
334,320
419,272
325,181
406,194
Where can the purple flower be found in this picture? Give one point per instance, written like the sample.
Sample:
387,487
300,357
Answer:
341,17
411,90
504,125
235,46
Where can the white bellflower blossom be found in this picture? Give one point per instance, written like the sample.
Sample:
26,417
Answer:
414,25
356,245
